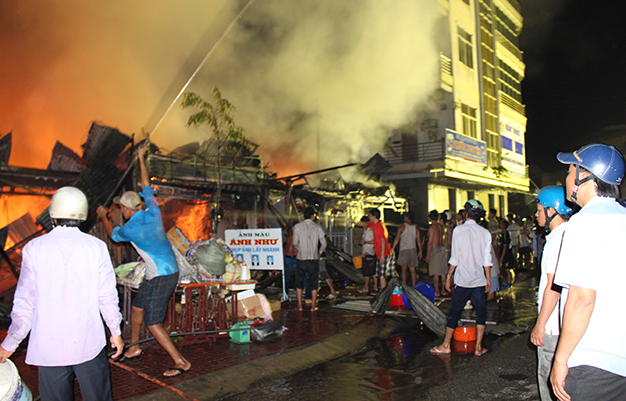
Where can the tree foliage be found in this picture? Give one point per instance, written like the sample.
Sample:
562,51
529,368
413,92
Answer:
218,117
228,139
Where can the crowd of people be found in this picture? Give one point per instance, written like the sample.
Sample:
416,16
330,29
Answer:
579,337
470,255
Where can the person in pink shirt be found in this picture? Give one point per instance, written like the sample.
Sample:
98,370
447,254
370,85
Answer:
66,288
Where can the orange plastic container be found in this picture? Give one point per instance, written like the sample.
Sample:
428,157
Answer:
463,347
464,333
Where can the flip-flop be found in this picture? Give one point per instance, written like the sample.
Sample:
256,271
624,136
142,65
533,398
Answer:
129,358
179,370
482,352
437,351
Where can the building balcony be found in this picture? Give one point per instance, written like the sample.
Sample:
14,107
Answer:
398,153
508,45
512,103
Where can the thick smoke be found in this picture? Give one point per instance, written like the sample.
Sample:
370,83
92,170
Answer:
316,84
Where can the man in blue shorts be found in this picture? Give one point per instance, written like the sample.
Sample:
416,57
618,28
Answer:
470,263
144,230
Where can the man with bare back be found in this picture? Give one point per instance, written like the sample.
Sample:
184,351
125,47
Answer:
409,239
436,256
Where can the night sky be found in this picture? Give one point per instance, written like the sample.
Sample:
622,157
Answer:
575,84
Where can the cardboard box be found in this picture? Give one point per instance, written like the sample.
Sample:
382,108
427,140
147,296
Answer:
275,304
178,239
248,308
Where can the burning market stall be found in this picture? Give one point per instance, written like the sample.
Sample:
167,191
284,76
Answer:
94,173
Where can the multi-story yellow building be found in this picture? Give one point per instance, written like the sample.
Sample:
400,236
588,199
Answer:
471,143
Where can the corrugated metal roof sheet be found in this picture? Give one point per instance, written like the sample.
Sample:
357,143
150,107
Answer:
65,159
5,149
103,145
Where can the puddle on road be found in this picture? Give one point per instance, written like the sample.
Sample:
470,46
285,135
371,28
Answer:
399,367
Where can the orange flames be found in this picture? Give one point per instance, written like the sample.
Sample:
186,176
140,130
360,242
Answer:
12,207
193,220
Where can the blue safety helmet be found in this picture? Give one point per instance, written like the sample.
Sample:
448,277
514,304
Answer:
603,161
473,204
474,209
553,196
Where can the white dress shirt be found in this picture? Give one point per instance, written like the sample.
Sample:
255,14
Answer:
66,287
471,252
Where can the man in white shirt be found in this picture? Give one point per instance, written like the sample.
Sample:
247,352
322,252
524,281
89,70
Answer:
308,239
590,360
66,289
553,214
470,262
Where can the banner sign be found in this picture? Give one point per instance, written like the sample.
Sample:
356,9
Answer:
261,248
465,147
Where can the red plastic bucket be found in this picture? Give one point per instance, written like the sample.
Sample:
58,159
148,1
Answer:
465,334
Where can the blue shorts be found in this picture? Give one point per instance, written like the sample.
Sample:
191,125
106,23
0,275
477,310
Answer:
495,284
153,297
460,296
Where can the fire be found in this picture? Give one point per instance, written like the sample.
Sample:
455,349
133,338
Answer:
12,207
193,220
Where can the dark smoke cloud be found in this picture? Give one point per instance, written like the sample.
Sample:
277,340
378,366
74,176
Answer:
315,83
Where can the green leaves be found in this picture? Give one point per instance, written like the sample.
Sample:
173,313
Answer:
217,116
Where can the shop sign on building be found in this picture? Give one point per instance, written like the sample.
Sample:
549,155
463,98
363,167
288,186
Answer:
261,249
465,147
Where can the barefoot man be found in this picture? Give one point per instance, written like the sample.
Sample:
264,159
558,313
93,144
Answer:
308,239
471,265
409,239
436,256
145,230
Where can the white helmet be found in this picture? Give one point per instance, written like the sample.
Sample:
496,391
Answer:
69,203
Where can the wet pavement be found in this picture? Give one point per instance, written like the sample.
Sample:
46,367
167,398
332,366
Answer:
396,367
400,367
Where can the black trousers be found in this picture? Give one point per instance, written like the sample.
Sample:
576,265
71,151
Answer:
591,383
56,383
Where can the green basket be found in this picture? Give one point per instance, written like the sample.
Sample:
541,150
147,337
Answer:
240,336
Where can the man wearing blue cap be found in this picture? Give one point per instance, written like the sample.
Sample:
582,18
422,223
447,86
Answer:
553,214
590,360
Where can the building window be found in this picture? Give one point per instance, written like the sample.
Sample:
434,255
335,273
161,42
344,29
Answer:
493,159
465,48
510,82
507,28
452,199
466,2
469,120
507,143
